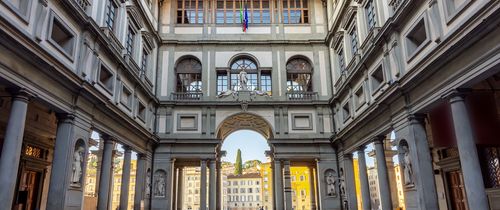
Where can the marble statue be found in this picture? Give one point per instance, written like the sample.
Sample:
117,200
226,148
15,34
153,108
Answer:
76,174
243,80
342,182
160,186
148,183
408,171
330,183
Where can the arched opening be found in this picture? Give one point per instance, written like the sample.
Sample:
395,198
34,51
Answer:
246,171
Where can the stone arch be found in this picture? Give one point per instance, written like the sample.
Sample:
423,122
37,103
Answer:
244,120
243,55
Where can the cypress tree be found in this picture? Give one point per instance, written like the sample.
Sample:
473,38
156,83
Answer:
238,166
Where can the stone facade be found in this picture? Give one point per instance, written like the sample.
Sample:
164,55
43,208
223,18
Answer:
320,80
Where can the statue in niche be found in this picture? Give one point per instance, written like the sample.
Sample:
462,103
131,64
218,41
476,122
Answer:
408,171
342,182
243,80
76,174
159,190
148,183
330,183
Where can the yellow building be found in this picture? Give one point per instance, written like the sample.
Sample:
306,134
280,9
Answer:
117,178
399,184
267,185
301,188
358,184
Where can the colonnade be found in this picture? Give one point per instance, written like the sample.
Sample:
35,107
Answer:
423,186
71,128
282,185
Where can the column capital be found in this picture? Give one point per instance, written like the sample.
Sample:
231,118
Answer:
456,95
128,149
141,156
361,149
378,139
21,94
108,138
416,118
348,156
65,117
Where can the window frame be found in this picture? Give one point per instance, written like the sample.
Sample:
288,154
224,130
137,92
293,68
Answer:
411,55
228,71
197,73
23,15
52,18
109,4
302,8
113,77
290,72
184,11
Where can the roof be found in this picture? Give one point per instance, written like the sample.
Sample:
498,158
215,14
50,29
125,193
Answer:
242,176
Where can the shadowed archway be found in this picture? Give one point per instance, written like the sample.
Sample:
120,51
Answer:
246,121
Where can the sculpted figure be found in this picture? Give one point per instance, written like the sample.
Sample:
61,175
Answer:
148,183
77,165
408,171
330,183
342,182
243,80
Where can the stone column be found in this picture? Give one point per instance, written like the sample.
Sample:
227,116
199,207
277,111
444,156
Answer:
219,186
180,187
203,185
278,185
104,183
383,177
212,201
363,179
469,161
60,165
352,200
140,179
287,185
312,189
125,178
12,145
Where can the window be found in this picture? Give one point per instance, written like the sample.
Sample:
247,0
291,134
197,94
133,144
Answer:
299,73
189,11
302,178
21,7
106,78
111,14
359,97
416,38
129,45
188,75
354,40
126,97
346,111
295,11
341,59
371,15
62,37
141,111
144,60
228,11
377,78
229,79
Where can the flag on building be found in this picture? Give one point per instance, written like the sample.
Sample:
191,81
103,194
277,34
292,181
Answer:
243,16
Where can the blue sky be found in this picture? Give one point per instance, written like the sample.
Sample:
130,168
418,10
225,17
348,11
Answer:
252,145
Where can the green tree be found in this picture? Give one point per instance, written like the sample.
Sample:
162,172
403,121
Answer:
238,167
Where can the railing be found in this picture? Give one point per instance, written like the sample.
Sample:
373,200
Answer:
84,4
301,96
187,96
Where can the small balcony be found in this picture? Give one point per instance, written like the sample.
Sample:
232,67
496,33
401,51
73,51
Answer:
187,96
302,96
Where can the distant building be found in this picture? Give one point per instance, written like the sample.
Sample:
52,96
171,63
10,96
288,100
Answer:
267,185
399,184
244,192
190,190
373,183
301,188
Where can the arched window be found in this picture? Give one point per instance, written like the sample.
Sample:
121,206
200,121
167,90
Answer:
299,73
189,76
259,79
